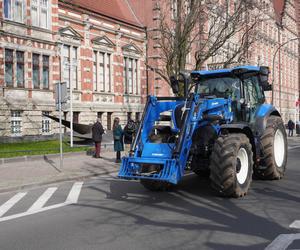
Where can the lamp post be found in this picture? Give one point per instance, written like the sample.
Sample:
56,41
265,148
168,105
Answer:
276,51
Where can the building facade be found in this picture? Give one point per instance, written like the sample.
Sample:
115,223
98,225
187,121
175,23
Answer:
97,50
278,25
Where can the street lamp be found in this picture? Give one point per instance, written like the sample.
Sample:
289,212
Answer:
280,45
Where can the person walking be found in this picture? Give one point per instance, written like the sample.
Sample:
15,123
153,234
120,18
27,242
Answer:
118,139
129,133
291,127
97,132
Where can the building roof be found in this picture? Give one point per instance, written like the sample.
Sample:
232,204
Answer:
116,9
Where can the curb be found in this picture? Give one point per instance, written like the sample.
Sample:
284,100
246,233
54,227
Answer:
45,183
26,158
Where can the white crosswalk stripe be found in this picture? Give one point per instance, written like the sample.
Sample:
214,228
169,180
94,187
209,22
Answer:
74,193
11,202
295,224
39,205
41,201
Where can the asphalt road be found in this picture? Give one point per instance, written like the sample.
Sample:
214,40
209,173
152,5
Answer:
118,214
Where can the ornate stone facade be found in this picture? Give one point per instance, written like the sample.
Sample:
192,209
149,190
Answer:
100,56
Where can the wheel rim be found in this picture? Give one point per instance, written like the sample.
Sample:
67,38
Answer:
242,165
279,148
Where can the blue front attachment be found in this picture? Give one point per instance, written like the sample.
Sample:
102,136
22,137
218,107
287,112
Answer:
149,155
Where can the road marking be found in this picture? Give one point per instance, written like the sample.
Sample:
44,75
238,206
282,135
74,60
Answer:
11,202
74,193
295,224
37,207
41,201
282,241
293,147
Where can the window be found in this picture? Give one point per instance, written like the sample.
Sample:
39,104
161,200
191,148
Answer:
9,67
99,115
46,121
109,120
253,91
173,9
16,123
40,13
36,70
224,87
74,67
20,69
95,71
102,71
76,117
46,72
14,10
107,75
130,75
67,53
14,68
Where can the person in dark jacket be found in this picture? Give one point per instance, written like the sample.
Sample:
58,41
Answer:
118,139
291,127
129,133
97,132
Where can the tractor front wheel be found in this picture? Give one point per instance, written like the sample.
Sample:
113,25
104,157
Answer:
274,150
231,165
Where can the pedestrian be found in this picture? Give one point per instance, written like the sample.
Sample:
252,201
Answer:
129,133
118,139
97,132
291,127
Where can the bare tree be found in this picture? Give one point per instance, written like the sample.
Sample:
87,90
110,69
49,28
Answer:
231,27
204,29
177,34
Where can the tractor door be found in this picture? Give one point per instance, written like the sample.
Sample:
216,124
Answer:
253,98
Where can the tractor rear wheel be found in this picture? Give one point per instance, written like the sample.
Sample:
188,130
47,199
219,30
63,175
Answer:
153,185
274,150
231,165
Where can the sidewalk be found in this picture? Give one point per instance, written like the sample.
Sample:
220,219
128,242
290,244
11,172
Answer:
46,170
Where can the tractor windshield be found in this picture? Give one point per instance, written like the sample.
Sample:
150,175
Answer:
223,87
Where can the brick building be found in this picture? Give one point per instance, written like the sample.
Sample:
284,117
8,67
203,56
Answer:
278,26
97,49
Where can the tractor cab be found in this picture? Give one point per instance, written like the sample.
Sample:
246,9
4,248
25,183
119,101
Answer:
244,85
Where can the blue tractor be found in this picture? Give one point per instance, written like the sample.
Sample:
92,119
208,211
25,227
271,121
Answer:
221,128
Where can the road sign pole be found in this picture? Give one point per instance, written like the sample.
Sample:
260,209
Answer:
60,127
71,99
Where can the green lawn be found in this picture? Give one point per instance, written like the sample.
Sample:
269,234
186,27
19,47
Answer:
36,148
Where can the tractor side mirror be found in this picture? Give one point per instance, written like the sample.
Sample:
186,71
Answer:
264,77
174,85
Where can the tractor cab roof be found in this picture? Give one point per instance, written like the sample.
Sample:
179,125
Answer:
236,71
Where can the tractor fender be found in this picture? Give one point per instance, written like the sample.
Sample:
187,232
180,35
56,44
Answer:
243,128
238,128
262,115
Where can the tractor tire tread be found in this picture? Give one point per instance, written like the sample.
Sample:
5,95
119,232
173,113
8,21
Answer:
222,167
